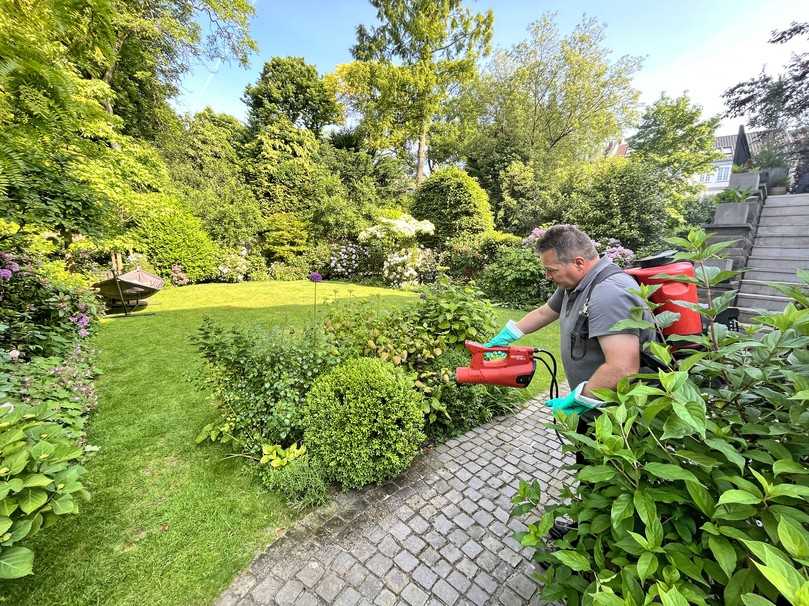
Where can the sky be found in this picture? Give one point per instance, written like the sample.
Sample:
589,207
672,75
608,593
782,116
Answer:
701,47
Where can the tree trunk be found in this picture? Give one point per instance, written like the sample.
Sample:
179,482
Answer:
110,71
422,155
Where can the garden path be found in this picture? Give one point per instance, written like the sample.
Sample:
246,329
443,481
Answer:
438,534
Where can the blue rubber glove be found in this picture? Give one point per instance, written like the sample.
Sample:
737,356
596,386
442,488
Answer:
506,336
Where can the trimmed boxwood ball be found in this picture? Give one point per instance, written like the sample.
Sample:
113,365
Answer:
363,422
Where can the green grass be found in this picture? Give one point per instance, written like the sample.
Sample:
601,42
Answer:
171,522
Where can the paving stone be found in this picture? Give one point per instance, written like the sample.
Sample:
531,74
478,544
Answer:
522,585
458,581
424,576
463,520
509,598
451,553
406,561
467,567
448,594
395,580
385,598
356,575
289,592
472,549
389,546
265,591
418,524
307,598
349,597
414,544
477,595
401,531
371,586
329,586
379,564
310,574
414,595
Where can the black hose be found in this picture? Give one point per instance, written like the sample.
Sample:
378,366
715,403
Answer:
553,390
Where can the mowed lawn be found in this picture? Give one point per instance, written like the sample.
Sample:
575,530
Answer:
171,522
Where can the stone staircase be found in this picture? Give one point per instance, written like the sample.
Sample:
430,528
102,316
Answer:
780,248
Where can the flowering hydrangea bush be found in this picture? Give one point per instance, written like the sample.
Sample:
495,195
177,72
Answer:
178,276
347,260
39,315
234,266
612,248
400,267
393,244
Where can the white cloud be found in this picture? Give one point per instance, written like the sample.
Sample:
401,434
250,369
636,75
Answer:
733,54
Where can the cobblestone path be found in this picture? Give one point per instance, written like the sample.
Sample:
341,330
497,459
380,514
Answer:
438,534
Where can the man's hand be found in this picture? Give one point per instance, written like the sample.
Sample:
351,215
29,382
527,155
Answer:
506,336
622,358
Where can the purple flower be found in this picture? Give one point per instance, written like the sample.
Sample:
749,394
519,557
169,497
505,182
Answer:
5,274
315,277
83,332
13,267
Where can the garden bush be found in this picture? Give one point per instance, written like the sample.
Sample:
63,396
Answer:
38,314
455,203
465,256
516,278
171,235
693,487
259,380
363,421
426,339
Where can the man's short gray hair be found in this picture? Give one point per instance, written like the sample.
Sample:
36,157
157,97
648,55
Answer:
568,241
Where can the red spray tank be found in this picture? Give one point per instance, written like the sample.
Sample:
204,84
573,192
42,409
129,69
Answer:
690,322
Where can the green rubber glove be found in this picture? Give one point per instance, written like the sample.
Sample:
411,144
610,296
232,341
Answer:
509,333
574,402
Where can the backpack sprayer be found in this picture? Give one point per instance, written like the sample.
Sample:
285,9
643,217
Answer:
518,366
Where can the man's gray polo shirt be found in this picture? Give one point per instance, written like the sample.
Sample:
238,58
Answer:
610,302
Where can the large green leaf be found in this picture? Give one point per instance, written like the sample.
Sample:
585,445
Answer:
702,498
32,499
727,449
621,509
573,559
724,553
788,466
751,599
672,597
16,562
596,473
741,497
647,565
793,537
667,471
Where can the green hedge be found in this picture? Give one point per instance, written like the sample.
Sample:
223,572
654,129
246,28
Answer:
455,203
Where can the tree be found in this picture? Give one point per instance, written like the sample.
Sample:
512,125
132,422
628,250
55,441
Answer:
673,136
51,119
155,42
406,66
203,157
779,103
775,102
549,101
292,88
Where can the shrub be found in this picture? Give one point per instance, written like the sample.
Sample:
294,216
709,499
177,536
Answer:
516,278
347,260
45,402
300,482
233,265
465,256
39,315
419,338
693,484
363,421
259,380
733,194
294,268
455,203
172,236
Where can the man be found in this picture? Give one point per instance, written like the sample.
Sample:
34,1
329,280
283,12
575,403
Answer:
592,295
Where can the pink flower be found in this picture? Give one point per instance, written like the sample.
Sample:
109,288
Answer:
83,332
5,274
13,267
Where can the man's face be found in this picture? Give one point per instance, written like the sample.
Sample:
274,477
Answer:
566,275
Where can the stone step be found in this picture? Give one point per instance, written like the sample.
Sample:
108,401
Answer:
786,241
783,253
764,302
771,221
787,200
782,230
761,287
785,211
746,314
770,275
782,265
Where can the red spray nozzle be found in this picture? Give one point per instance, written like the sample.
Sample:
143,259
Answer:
516,369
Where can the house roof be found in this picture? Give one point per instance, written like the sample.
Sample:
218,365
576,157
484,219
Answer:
757,140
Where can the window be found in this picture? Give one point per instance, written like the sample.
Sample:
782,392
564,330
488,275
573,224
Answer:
705,177
723,173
